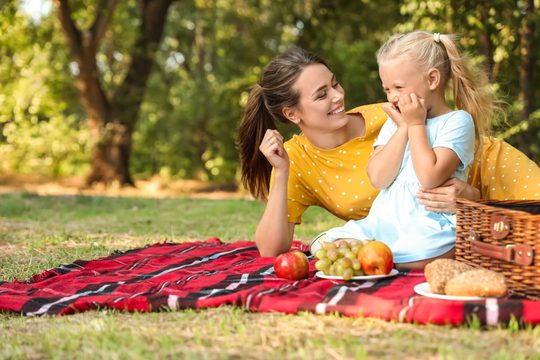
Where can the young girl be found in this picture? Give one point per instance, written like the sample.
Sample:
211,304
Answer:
421,145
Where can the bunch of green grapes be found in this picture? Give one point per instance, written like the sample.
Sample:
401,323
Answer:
339,260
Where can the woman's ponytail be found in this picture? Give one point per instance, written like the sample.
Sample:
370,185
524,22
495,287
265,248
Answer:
255,168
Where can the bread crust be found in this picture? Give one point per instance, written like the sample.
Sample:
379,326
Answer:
477,282
440,271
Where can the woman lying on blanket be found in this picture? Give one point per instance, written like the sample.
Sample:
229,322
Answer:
325,165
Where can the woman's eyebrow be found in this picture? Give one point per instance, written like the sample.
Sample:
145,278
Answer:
319,89
324,86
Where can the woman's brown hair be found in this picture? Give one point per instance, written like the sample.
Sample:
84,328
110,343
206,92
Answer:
266,101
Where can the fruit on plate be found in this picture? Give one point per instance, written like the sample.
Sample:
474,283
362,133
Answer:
339,259
292,265
375,258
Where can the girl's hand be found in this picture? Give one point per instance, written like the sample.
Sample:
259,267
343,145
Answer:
443,198
272,148
413,109
393,113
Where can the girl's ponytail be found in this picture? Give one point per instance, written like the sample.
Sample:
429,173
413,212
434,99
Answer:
255,168
471,89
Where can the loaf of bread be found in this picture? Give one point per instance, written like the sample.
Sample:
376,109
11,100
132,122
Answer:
477,282
440,271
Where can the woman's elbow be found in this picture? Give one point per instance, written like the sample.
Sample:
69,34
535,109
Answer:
272,247
271,252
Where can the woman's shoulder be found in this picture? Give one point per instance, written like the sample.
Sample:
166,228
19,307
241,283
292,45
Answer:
296,145
374,117
297,140
370,111
377,107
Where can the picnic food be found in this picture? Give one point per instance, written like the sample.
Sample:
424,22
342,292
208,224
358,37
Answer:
454,278
354,258
376,258
439,271
339,259
477,282
292,265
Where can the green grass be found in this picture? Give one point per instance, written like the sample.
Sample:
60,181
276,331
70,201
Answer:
40,232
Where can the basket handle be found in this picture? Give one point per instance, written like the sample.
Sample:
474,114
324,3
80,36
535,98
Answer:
520,254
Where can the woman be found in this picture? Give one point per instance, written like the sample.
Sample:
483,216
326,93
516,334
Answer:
326,164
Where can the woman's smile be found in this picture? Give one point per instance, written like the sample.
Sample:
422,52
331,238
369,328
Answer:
339,110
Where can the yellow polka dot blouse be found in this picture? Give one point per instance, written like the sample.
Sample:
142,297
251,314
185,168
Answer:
336,179
502,172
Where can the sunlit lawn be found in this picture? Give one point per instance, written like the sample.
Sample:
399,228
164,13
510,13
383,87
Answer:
37,233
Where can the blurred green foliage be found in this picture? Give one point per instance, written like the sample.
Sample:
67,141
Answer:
210,55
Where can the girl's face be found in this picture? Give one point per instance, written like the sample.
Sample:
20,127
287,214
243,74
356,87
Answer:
400,76
322,100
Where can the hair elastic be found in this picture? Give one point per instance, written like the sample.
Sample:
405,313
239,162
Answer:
437,37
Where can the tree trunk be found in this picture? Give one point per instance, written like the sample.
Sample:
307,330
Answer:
112,120
526,50
484,37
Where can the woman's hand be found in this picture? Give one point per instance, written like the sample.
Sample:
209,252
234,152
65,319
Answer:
272,148
443,198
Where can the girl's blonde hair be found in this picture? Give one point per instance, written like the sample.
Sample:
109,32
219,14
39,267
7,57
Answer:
471,89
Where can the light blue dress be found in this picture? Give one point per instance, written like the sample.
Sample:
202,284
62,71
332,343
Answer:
396,218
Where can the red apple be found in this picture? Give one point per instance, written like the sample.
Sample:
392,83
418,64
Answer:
292,265
375,258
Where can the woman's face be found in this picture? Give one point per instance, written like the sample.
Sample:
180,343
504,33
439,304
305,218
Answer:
322,100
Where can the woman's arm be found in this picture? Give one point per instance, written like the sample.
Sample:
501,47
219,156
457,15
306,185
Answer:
443,198
274,232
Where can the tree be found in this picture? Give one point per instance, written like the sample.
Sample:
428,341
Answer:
528,55
112,118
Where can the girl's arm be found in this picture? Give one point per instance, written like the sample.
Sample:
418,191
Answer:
274,233
384,164
433,166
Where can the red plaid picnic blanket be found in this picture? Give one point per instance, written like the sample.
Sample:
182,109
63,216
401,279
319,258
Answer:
210,273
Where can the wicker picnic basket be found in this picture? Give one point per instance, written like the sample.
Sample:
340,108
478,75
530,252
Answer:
503,236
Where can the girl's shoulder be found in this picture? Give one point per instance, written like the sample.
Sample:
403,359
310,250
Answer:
461,113
455,114
452,119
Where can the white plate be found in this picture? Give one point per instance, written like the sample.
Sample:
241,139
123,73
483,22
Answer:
322,275
424,289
